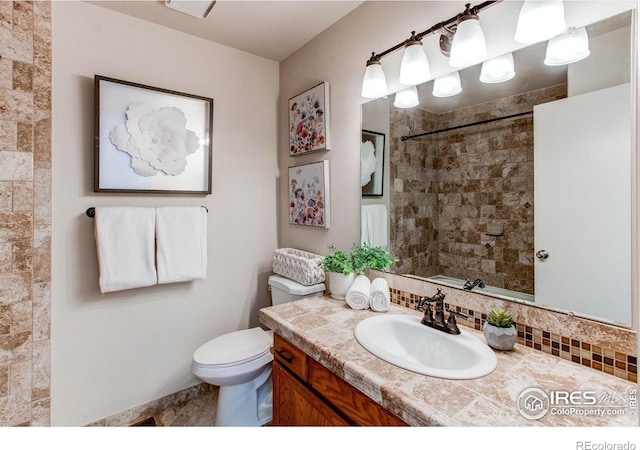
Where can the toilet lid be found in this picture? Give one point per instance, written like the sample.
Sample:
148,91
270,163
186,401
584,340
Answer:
234,347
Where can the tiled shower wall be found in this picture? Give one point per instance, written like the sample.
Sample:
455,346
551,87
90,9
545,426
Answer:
449,187
25,212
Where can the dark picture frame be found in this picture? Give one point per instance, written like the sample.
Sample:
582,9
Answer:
151,140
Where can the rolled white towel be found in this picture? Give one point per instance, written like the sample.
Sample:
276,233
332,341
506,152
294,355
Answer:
358,295
380,295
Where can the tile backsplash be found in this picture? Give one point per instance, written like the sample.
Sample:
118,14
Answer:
602,347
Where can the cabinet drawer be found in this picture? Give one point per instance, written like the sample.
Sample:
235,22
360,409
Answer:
290,356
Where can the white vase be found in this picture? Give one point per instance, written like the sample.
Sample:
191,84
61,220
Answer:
500,338
339,284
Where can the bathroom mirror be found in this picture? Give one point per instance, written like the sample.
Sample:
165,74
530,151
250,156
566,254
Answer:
484,184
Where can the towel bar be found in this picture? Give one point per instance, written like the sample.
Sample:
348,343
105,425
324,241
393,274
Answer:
91,212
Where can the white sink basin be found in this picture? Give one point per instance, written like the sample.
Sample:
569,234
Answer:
403,341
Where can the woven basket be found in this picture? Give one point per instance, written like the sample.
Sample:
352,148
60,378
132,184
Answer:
298,265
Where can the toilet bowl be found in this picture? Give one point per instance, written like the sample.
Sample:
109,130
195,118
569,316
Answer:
240,364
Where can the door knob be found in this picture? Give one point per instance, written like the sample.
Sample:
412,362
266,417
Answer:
542,254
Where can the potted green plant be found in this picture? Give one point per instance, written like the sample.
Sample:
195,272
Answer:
499,330
365,257
339,266
343,267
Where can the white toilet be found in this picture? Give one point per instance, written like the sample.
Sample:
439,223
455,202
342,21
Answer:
240,363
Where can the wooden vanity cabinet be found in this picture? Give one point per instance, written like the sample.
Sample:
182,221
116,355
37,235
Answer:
306,393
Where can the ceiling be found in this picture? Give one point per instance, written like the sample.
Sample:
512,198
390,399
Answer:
271,29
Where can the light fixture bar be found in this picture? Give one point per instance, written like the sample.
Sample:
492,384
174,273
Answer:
439,26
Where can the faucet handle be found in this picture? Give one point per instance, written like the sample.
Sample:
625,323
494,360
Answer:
454,313
452,325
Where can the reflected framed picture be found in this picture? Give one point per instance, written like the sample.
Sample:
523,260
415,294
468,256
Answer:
372,163
309,124
309,195
151,140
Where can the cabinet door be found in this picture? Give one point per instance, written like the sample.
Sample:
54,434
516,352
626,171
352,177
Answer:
294,404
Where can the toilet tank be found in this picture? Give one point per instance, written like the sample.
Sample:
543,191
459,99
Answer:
284,290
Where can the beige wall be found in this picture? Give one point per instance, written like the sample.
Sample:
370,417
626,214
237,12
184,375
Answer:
115,351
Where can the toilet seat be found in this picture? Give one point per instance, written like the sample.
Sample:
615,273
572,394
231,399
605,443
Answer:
235,348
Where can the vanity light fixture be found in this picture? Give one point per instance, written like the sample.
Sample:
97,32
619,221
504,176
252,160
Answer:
498,69
415,66
447,85
374,84
468,46
406,98
195,8
471,50
568,47
540,20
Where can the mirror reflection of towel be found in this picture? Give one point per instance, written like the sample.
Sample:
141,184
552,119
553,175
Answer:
373,223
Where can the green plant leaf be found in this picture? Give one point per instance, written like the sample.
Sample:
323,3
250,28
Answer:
500,318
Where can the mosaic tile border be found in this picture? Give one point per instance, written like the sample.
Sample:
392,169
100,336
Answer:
602,359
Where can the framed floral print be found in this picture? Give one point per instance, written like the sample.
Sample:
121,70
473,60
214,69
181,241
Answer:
309,194
151,140
309,127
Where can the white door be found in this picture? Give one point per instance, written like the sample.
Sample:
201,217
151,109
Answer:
582,176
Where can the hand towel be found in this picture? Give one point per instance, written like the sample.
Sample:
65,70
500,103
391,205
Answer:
374,226
380,295
181,241
358,295
125,245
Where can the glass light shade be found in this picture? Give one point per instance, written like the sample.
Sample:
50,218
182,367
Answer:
468,46
447,85
415,66
407,98
567,48
498,69
540,20
374,84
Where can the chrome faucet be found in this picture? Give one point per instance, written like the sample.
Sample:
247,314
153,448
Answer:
435,318
469,285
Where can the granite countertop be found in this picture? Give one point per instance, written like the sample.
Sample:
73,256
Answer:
323,328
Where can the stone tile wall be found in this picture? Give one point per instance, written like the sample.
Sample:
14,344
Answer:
450,186
25,212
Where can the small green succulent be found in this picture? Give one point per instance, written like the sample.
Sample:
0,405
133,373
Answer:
500,318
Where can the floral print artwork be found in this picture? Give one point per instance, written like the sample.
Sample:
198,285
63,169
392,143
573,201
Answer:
308,195
308,121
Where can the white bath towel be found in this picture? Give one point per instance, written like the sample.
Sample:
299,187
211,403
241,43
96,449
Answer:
358,295
374,226
380,295
181,240
125,241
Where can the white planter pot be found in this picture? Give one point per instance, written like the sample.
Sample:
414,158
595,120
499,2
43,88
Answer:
500,338
339,284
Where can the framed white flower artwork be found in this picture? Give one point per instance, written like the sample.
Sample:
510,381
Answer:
151,140
372,163
309,127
